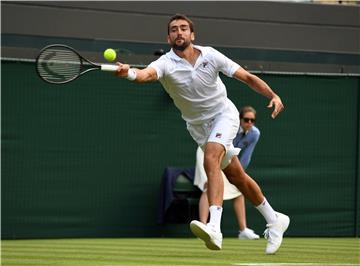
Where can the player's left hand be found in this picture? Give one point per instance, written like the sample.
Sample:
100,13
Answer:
277,104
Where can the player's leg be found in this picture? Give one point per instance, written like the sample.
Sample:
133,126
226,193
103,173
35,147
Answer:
211,237
213,154
210,233
248,187
215,136
277,223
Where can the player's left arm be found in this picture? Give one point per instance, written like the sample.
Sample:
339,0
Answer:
261,87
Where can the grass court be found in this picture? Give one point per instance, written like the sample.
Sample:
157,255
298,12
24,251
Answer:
179,251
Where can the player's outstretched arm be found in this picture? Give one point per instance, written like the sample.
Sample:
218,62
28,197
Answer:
261,87
139,75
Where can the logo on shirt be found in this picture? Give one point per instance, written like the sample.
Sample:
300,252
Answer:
205,63
218,135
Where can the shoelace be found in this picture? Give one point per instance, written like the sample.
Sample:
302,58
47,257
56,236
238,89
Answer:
266,234
267,231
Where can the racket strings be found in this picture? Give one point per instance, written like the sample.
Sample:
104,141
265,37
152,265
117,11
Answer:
59,65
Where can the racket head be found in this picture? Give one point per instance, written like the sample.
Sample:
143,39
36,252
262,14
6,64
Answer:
58,64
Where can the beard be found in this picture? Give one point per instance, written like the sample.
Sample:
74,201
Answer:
181,47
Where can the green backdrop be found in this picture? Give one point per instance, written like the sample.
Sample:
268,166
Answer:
86,159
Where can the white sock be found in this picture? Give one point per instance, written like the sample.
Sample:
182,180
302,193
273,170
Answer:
215,217
267,211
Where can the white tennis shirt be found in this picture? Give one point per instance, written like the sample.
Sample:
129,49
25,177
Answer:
197,91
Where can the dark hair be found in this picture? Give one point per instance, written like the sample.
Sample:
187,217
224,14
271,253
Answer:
246,109
183,17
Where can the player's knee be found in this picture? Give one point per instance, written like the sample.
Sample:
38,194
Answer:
211,160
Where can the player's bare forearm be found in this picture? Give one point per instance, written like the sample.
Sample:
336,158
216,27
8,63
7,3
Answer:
254,82
139,75
261,87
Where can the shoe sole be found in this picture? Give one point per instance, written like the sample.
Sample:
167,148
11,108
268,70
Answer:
246,238
204,236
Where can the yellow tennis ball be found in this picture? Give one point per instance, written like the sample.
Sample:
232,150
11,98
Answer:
110,54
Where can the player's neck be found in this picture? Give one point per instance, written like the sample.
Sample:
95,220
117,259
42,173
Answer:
190,54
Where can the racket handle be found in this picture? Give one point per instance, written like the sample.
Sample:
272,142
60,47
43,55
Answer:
107,67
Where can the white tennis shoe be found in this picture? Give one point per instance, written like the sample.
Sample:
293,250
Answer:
211,237
248,234
274,233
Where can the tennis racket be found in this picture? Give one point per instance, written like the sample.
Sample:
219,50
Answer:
60,64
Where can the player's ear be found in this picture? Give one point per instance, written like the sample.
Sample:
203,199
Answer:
192,36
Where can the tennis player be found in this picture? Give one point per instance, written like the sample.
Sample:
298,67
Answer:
190,75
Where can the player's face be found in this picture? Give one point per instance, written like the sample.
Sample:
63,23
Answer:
247,121
180,35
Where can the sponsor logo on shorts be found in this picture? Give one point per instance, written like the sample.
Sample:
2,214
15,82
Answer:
218,135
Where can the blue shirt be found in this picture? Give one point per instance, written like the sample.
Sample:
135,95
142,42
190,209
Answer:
246,142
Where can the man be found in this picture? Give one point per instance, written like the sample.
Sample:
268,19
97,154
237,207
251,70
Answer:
246,139
190,75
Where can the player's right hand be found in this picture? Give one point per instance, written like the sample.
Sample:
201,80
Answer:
122,70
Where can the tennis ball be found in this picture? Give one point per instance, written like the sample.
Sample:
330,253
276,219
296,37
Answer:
110,54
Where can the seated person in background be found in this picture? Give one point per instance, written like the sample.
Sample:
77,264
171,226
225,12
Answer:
246,140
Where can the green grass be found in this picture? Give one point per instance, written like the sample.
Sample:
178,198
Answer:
178,251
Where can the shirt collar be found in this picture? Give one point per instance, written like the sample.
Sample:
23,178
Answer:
174,56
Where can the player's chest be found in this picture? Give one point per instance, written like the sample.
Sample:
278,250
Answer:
183,74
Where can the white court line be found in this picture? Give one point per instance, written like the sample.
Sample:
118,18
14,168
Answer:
295,264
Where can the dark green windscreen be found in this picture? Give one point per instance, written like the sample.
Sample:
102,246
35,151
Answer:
86,159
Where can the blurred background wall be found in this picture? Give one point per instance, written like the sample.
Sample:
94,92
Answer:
274,36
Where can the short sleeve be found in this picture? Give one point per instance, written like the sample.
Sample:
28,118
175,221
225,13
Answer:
159,66
225,65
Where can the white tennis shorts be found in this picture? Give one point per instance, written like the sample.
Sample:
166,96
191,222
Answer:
221,129
230,191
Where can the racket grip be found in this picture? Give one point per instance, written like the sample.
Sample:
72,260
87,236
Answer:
107,67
